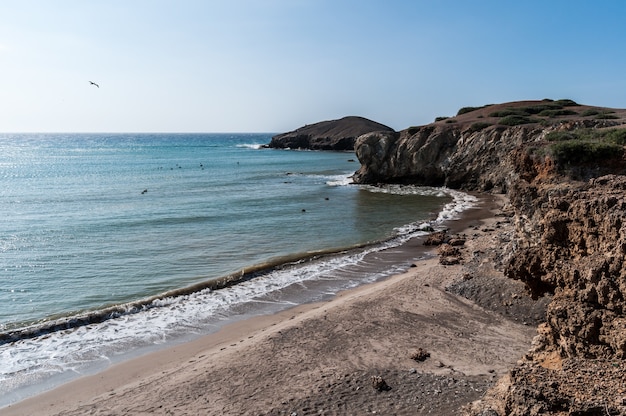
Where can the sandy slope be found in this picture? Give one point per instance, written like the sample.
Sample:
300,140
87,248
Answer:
319,359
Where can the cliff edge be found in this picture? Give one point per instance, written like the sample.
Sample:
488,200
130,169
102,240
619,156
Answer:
476,150
562,166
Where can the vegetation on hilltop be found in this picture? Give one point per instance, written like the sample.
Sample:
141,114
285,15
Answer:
465,110
544,112
513,116
583,146
585,137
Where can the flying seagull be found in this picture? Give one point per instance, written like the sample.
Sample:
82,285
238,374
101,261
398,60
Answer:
93,83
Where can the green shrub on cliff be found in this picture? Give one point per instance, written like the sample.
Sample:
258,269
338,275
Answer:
575,152
413,130
561,136
600,114
589,112
566,102
586,145
553,109
546,105
478,126
508,112
538,109
557,113
514,120
615,136
606,116
464,110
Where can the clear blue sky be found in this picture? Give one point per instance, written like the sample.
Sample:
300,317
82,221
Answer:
275,65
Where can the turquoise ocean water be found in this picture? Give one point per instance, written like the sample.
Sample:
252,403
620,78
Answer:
111,244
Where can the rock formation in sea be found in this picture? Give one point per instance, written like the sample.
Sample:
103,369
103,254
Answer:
328,135
563,168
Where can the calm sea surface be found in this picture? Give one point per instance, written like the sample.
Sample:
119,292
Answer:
99,232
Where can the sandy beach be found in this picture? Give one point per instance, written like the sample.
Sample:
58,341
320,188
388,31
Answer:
470,321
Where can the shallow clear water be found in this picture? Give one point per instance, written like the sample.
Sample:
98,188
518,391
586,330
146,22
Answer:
91,221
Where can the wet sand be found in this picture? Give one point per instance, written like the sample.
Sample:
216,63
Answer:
320,358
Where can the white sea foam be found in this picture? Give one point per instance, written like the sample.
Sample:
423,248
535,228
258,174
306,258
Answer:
254,146
339,180
460,202
451,211
77,351
408,190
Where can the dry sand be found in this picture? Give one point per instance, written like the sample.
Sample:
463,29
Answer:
319,359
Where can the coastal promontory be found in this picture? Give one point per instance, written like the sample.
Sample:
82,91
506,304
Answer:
337,135
480,147
562,167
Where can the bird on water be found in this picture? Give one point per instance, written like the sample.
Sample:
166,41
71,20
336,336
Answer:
93,83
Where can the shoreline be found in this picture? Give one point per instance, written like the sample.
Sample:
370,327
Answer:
75,319
322,274
289,359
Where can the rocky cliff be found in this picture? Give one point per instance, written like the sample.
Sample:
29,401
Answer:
479,148
328,135
441,155
562,166
571,242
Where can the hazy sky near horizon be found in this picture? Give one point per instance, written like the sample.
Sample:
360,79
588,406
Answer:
275,65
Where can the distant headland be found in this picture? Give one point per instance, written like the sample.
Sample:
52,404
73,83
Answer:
337,135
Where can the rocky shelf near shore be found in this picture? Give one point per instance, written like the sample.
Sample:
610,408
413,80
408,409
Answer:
563,168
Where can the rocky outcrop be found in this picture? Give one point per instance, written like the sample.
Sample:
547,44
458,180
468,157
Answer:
569,209
571,242
574,245
476,150
328,135
442,155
